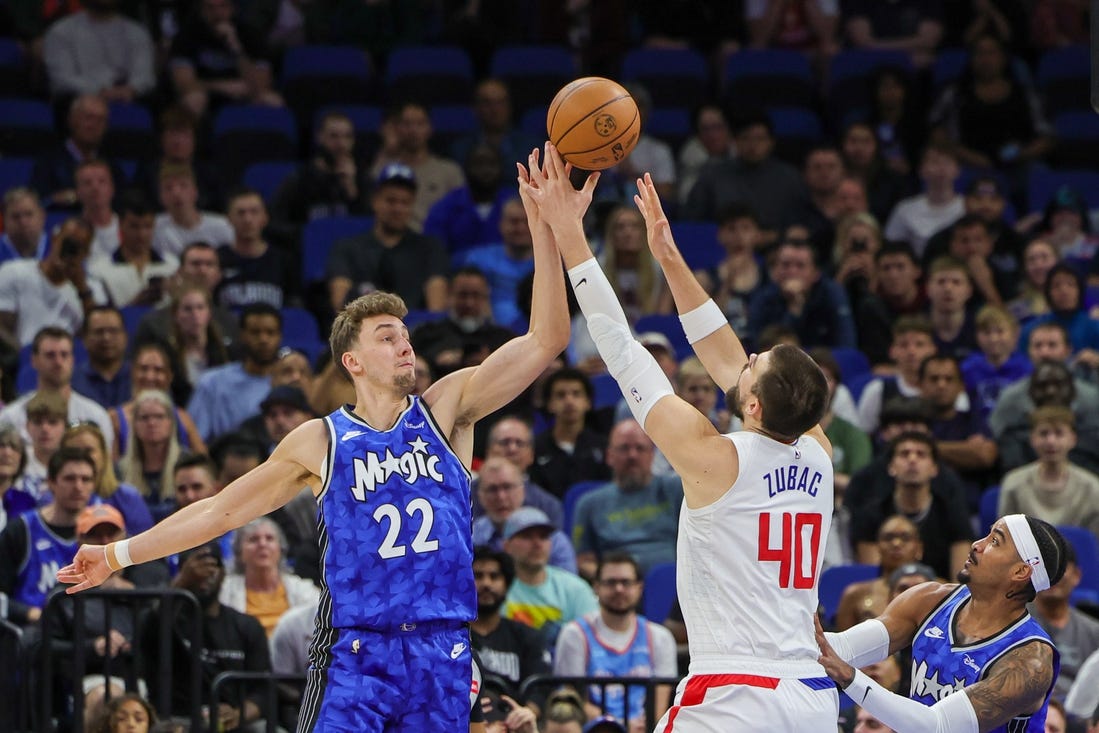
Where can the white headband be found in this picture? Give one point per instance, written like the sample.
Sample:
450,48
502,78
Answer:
1027,547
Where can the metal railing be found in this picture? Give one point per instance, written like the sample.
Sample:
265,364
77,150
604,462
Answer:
583,685
13,713
271,693
66,659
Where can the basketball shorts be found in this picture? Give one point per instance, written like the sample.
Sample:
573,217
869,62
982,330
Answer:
718,703
389,682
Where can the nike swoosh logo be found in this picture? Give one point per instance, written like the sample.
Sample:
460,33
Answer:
351,434
581,281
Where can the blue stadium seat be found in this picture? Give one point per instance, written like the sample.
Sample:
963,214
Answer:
449,122
697,240
988,511
267,176
435,74
1062,79
852,362
318,236
1077,139
533,122
1086,547
670,75
797,129
15,172
26,126
768,77
319,76
247,134
670,124
949,64
131,134
1043,183
131,317
568,503
534,74
850,75
670,326
607,391
660,592
299,324
834,580
15,79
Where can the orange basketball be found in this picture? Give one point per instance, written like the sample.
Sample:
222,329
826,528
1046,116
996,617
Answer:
593,122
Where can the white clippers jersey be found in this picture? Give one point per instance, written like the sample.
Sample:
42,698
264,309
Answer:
748,565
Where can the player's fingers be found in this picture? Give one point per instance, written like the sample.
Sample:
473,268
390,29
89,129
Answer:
589,185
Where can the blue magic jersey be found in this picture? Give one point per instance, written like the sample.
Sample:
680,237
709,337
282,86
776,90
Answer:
46,554
395,525
941,667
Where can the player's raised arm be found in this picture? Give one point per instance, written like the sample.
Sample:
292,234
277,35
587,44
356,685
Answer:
515,365
679,430
707,328
294,464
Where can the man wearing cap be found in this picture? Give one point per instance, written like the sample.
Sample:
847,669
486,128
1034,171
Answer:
36,545
391,256
542,596
500,490
979,661
636,512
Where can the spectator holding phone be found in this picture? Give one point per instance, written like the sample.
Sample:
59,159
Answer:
858,239
135,273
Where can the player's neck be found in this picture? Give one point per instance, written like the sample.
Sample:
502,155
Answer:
987,613
379,408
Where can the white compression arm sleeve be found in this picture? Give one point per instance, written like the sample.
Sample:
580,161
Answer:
862,644
953,714
640,378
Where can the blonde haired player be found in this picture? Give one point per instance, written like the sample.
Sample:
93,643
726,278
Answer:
758,502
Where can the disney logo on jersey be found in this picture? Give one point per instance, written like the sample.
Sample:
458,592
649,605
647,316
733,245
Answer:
930,686
373,470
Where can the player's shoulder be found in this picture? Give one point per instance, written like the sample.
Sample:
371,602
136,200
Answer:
920,600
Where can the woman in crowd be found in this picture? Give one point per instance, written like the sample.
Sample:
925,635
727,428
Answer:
129,713
151,451
1039,257
13,457
151,369
123,497
260,584
195,335
636,279
858,239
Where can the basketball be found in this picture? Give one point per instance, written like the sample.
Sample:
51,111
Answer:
593,122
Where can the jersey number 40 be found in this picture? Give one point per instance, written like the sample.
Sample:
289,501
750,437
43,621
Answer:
797,554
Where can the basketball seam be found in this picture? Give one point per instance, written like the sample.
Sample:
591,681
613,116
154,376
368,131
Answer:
562,104
589,114
608,142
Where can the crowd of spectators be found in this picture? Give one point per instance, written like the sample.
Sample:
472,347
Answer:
160,331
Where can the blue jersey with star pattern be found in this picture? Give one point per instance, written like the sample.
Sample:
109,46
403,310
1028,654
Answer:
395,525
942,666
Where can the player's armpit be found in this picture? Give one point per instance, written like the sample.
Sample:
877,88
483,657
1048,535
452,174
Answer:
1016,685
904,614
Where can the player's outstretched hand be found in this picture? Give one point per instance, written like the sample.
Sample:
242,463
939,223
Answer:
661,243
87,570
529,178
560,204
840,671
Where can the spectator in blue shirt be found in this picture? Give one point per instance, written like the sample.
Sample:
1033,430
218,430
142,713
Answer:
226,396
988,371
801,297
507,263
105,377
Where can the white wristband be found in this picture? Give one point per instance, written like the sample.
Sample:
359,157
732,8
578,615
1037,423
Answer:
702,321
122,554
